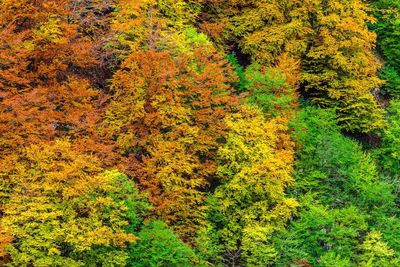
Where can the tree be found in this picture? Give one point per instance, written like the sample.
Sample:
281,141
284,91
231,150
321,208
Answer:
60,207
261,29
159,246
151,24
339,68
322,233
5,241
255,168
330,38
268,88
375,252
47,81
331,165
389,152
387,13
331,259
167,116
341,194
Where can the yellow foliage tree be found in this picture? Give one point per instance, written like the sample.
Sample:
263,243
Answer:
339,67
152,24
59,208
330,38
262,29
375,252
255,170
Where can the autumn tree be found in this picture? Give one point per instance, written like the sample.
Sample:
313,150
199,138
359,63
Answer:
5,241
47,75
339,68
61,207
376,252
152,24
250,205
331,39
230,168
167,116
261,29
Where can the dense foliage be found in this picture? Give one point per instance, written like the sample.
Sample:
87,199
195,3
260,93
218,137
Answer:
200,133
387,13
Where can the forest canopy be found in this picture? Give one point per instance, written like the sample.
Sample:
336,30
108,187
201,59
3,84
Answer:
200,133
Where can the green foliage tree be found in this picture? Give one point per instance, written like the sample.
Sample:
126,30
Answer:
159,246
387,13
322,233
389,153
268,89
331,259
341,195
330,164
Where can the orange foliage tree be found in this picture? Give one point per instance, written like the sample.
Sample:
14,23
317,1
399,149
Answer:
5,240
47,64
167,116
